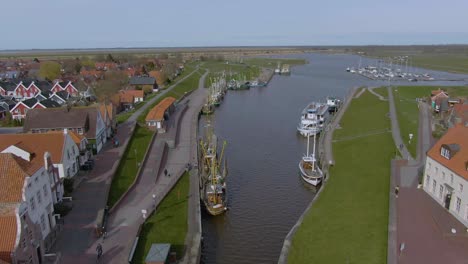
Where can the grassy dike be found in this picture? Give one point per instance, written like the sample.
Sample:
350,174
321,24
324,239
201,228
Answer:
168,224
348,223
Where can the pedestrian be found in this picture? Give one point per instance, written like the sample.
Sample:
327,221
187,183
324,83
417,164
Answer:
165,172
397,190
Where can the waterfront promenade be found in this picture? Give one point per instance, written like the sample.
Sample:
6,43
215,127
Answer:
76,242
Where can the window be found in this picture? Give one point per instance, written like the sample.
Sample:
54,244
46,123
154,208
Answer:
430,165
68,154
434,184
461,187
441,191
445,153
436,171
23,243
32,203
36,179
451,178
39,197
443,175
73,150
457,207
44,189
43,223
428,180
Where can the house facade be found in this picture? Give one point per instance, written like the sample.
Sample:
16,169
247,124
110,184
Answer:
446,172
27,201
157,116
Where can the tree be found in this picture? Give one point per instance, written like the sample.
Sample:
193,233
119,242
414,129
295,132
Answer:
112,83
69,66
88,64
109,58
163,56
49,70
150,66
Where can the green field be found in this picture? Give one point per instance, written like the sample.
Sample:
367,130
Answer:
127,170
168,224
349,221
407,108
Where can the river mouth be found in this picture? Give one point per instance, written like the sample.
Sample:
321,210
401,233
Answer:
266,195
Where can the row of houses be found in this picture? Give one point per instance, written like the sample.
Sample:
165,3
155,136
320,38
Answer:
446,168
18,98
55,144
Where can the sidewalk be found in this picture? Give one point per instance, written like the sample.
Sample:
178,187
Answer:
76,241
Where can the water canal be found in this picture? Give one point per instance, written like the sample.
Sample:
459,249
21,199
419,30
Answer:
266,194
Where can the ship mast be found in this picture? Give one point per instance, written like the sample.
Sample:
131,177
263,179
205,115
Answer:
313,153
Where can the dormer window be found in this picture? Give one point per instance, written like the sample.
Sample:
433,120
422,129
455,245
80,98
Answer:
445,153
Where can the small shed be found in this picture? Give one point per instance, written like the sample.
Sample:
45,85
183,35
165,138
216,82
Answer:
156,118
158,254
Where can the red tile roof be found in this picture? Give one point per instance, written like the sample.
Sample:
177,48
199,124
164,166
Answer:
458,162
8,231
157,113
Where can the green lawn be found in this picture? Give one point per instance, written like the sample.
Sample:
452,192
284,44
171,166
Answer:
349,221
168,224
127,169
448,63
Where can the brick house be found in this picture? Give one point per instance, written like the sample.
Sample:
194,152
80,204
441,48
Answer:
86,121
138,82
157,116
19,111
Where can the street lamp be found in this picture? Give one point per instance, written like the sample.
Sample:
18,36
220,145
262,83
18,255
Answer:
154,200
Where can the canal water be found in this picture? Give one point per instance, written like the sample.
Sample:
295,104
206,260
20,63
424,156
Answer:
266,195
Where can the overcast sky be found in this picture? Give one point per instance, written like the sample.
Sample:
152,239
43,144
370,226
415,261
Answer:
43,24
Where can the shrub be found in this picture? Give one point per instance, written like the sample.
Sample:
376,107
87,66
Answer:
68,185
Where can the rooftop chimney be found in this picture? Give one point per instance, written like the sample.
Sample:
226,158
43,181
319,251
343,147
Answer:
65,131
47,160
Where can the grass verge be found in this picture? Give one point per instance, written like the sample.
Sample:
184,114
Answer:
168,224
127,170
348,223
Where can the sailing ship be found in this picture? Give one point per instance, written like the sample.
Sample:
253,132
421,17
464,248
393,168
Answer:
312,119
309,170
212,176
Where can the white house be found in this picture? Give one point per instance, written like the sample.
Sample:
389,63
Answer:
446,172
64,151
30,188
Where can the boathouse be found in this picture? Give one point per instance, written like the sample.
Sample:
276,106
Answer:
158,116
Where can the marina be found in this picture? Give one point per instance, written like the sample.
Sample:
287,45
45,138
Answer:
264,151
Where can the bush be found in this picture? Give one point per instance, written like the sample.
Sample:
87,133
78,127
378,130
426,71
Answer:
68,185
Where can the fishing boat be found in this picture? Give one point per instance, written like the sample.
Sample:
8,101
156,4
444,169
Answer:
258,84
285,70
213,191
333,104
208,108
278,68
308,167
312,119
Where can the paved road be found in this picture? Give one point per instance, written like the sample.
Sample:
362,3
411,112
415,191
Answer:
11,130
77,240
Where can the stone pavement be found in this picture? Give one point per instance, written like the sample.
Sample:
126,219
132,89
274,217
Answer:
76,242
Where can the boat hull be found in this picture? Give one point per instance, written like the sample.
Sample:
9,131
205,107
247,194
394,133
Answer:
314,180
304,131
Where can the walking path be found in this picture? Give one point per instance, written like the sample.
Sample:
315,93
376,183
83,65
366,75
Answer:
360,92
396,127
371,90
78,235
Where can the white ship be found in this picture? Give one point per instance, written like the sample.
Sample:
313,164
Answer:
310,171
312,119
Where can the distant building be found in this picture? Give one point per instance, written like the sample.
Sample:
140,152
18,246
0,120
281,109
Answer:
446,172
143,82
156,117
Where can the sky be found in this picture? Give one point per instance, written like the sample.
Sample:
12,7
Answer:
57,24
